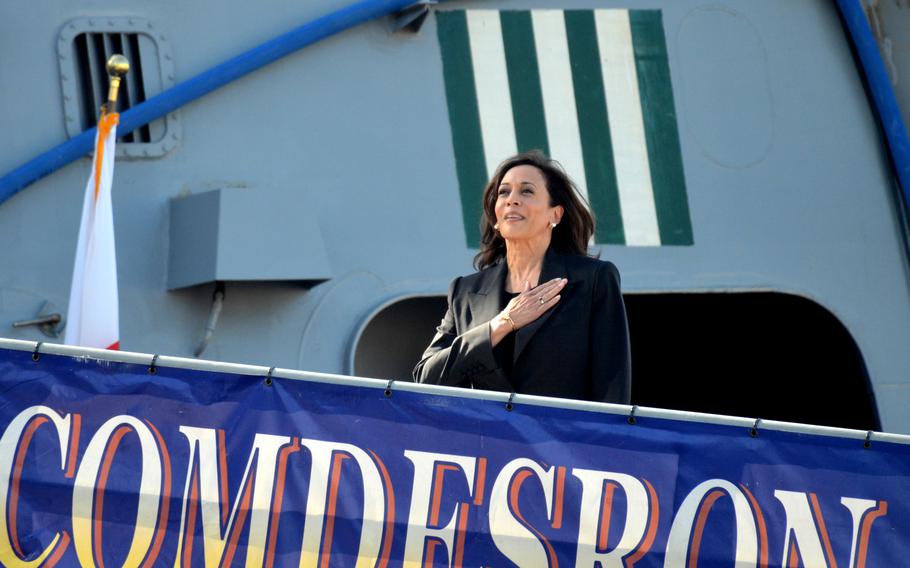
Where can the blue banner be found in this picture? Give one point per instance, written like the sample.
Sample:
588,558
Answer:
107,464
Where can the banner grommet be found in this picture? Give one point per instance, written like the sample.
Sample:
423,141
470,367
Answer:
153,369
388,388
632,420
35,354
754,430
509,402
268,377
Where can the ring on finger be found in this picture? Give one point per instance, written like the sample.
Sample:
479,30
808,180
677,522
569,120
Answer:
541,301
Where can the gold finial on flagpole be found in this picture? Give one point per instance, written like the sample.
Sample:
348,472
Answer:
117,67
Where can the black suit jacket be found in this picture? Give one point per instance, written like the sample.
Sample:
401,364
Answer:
578,349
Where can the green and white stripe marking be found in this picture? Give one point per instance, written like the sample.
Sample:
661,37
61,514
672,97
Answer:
590,88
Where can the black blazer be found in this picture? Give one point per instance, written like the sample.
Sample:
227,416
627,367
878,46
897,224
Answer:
578,349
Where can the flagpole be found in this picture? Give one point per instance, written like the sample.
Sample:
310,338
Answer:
117,67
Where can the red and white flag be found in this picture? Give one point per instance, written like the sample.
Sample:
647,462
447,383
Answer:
93,317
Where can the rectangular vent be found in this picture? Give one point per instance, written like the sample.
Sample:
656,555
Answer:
92,51
83,48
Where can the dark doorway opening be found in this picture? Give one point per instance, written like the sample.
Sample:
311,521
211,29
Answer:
763,355
395,338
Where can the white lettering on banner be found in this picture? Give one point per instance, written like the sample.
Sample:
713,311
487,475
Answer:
13,447
89,492
429,476
207,489
697,505
322,501
806,538
443,490
513,535
863,514
639,527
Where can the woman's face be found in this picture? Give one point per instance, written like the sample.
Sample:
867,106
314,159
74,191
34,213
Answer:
523,208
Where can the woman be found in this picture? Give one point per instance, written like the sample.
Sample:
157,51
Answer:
541,317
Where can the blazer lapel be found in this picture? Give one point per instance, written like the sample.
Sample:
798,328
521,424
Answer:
553,267
484,301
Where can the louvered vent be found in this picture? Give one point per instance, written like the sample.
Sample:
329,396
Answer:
84,48
92,51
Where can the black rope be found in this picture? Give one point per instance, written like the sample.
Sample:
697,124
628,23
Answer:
754,430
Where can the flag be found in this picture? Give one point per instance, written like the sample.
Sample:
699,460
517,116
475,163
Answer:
93,317
592,89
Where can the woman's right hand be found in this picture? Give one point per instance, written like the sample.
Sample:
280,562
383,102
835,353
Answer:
526,308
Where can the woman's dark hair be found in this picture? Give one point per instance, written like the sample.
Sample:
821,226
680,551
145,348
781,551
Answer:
571,235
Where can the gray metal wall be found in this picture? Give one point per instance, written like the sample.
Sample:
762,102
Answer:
789,189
